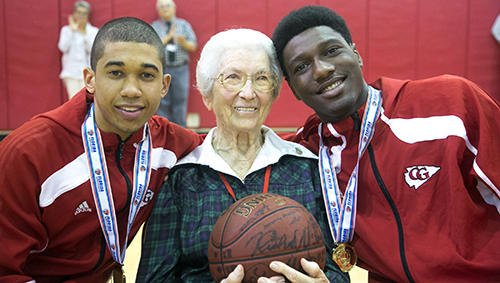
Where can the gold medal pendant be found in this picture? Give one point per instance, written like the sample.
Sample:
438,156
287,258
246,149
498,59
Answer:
345,257
119,275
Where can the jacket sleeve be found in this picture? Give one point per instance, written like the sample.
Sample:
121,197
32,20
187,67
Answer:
174,137
22,235
482,123
307,135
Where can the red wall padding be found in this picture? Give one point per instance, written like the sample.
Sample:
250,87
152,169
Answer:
408,39
3,71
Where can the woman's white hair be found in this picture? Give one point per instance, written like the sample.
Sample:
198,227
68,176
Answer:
210,63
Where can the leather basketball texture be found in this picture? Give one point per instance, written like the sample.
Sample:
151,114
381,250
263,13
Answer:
262,228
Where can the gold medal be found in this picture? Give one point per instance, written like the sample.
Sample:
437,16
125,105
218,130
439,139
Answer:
345,257
119,275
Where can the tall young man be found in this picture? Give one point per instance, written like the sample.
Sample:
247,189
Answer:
409,168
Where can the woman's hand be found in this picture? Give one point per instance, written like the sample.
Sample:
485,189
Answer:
316,275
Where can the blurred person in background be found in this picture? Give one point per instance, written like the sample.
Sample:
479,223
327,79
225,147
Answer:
179,40
495,29
75,42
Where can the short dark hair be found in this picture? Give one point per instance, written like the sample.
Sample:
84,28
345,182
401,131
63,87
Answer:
303,19
126,29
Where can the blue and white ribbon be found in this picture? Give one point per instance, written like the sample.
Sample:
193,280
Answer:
341,210
101,187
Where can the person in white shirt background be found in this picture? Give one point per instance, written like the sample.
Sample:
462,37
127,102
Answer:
75,42
495,29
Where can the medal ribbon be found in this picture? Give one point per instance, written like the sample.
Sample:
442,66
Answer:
341,210
101,187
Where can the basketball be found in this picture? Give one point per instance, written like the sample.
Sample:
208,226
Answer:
262,228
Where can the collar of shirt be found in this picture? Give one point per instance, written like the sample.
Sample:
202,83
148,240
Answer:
173,20
272,150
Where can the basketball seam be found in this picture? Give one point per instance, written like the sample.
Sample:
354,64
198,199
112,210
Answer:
264,256
222,263
253,224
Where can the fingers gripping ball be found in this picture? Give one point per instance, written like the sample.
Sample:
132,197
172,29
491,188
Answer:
259,229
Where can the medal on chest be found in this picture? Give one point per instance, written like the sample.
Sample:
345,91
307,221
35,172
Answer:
101,186
341,208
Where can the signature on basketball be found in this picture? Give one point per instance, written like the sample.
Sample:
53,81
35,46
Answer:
309,235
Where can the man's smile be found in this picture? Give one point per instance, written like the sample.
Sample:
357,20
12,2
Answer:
333,86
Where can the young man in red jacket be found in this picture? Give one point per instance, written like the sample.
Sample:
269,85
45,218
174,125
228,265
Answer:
77,182
409,168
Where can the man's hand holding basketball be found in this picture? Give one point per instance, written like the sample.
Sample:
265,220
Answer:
316,275
236,276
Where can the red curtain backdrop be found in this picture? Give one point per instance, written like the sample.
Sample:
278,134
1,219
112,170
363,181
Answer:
409,39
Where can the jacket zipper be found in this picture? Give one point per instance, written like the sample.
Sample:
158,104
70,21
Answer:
402,254
118,157
101,253
395,212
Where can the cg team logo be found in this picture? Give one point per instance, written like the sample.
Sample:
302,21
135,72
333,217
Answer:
147,197
416,176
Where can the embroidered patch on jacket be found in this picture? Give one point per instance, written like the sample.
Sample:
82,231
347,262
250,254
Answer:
416,176
83,207
147,197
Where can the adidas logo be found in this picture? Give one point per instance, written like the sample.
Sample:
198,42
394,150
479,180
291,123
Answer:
84,207
416,176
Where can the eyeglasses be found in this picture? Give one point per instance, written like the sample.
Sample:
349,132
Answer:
234,80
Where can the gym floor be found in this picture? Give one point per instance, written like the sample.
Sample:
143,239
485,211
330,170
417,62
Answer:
133,256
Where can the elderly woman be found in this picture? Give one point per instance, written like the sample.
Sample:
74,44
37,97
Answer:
239,79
